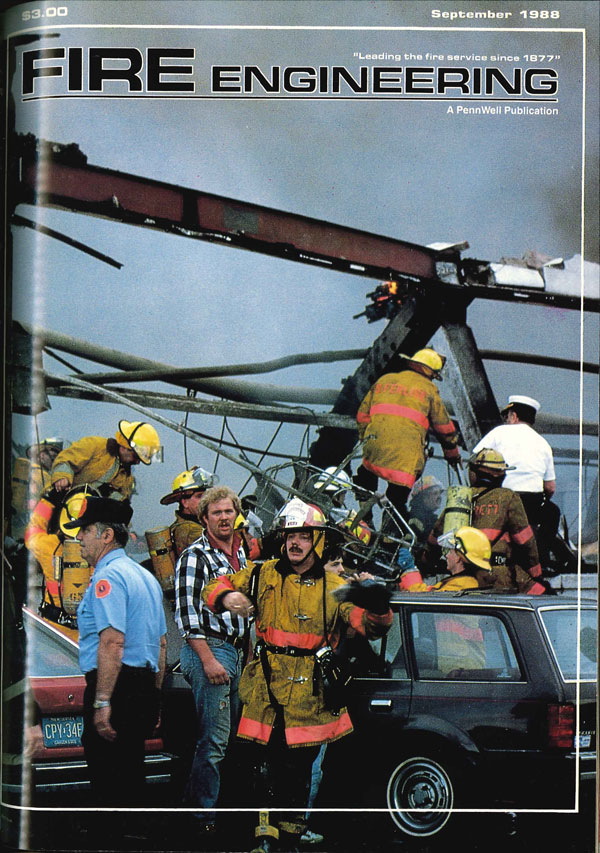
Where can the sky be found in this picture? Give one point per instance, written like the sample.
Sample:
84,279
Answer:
507,184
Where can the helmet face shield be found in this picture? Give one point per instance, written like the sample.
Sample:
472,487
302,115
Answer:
147,454
203,479
447,541
332,480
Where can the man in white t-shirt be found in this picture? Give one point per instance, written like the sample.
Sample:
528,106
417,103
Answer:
533,477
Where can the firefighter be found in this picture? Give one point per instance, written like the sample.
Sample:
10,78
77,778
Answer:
499,513
467,562
250,544
44,538
105,463
282,690
30,479
393,421
330,490
45,452
187,489
426,499
532,476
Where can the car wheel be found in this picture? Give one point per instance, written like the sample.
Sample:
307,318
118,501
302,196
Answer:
422,784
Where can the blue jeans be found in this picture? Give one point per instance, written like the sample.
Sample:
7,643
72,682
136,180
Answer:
315,779
218,712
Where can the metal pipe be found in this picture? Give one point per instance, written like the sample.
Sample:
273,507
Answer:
169,374
544,360
231,389
75,244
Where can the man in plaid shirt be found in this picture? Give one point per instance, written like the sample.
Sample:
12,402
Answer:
211,658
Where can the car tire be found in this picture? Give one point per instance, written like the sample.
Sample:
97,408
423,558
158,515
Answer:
421,782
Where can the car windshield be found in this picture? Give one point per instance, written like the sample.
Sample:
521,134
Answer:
48,653
561,627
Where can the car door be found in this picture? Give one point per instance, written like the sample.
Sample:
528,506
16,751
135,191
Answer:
380,694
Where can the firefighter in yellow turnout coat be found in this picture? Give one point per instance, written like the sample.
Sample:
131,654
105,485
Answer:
279,686
44,538
105,463
393,421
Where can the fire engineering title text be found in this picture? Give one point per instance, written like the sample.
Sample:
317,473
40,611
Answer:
130,71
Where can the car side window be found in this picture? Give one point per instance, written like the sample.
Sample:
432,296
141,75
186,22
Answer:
463,646
383,658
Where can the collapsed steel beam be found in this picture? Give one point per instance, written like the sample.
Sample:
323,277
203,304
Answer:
168,375
475,407
544,423
63,238
542,360
59,176
383,349
174,402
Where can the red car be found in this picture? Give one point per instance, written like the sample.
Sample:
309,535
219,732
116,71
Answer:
55,724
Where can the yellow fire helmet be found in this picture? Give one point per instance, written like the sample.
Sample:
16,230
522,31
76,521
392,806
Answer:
471,543
72,507
489,458
195,479
428,357
142,438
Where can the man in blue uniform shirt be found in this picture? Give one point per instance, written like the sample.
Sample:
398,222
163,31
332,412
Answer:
122,651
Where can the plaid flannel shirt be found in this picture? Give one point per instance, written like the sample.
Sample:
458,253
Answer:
196,566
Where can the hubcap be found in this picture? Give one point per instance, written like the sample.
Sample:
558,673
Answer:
420,783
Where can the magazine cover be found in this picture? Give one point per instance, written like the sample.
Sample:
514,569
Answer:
300,425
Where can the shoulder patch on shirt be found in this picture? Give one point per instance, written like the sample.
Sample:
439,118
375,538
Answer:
103,587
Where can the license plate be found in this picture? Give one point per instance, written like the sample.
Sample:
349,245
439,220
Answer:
62,731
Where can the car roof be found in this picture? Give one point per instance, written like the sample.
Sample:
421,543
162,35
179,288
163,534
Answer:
483,597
